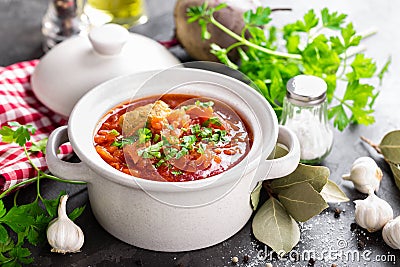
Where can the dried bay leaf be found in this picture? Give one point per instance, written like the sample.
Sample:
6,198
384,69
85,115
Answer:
390,146
396,173
302,201
273,226
316,176
333,194
280,151
255,196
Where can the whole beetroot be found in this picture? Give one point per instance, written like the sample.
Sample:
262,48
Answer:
189,34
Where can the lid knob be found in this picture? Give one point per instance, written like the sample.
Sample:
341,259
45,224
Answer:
108,39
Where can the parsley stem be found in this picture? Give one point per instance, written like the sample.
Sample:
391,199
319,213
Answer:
357,50
312,36
15,197
250,44
342,102
55,178
38,187
42,175
11,188
368,33
29,159
228,49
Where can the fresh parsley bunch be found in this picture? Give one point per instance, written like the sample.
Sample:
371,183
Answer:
27,223
305,50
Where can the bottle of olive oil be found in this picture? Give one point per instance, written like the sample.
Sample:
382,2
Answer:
127,13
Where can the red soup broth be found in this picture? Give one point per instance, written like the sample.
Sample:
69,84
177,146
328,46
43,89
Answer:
173,137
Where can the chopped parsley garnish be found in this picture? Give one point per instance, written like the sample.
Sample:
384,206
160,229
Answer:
170,152
151,152
184,151
159,163
217,136
205,132
114,132
201,148
176,172
204,104
156,138
194,129
125,141
144,135
188,141
213,120
172,147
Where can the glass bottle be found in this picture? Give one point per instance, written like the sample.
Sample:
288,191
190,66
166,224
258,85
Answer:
127,13
60,22
305,112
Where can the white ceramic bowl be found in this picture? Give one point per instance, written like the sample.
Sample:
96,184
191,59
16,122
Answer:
173,216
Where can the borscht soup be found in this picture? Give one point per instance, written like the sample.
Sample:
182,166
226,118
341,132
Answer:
173,137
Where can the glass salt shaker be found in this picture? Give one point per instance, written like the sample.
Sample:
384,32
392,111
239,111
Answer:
305,112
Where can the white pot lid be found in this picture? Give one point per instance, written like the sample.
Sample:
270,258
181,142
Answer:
80,63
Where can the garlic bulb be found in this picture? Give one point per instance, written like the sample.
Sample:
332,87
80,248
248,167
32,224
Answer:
62,233
365,174
372,213
391,233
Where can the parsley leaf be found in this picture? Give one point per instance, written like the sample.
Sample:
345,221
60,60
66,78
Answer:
309,21
341,119
39,146
362,68
259,18
332,20
21,135
349,36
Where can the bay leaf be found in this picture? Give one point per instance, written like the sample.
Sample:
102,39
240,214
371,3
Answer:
255,196
390,146
273,226
396,173
280,151
302,201
332,193
316,176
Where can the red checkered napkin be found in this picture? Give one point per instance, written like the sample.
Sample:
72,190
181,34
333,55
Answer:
18,103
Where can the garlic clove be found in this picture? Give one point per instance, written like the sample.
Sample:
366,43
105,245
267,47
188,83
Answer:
391,233
373,212
63,234
365,174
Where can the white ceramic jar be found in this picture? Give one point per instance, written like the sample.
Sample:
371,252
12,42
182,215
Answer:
173,216
78,64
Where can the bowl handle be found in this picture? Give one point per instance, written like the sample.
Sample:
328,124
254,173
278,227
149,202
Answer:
63,169
275,168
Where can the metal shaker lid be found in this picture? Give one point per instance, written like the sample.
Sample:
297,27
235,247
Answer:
306,90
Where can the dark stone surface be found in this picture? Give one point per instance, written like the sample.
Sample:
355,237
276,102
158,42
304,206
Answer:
20,39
